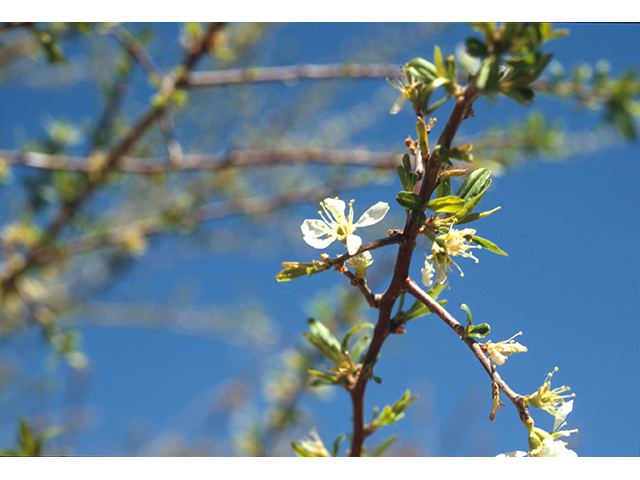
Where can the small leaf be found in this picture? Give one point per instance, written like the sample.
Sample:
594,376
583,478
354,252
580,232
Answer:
437,60
382,448
322,333
449,204
354,329
406,163
444,188
402,176
474,183
324,377
479,331
359,348
409,200
336,444
484,243
418,217
466,309
476,216
473,203
323,348
476,48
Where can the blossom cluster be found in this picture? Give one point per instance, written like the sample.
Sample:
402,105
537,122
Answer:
453,243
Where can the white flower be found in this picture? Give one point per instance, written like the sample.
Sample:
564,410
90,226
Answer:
453,243
550,400
517,453
427,273
334,225
543,444
361,262
498,352
556,448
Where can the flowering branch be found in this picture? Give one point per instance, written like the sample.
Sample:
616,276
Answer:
436,308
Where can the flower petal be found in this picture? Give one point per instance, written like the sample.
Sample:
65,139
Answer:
373,215
318,242
517,453
314,228
335,206
353,244
563,411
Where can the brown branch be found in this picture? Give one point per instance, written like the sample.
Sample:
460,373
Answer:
289,73
436,308
69,207
461,110
236,158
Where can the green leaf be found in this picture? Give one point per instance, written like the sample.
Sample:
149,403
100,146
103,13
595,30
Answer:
466,309
298,450
359,348
479,331
352,330
406,163
409,200
328,352
418,217
382,448
298,269
451,204
476,216
437,60
476,48
336,444
322,333
450,68
444,188
324,378
403,176
472,204
474,183
289,274
484,243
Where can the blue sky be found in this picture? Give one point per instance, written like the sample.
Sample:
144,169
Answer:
570,284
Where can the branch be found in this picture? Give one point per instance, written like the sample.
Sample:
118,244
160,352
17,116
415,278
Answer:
69,207
236,158
436,308
461,110
289,73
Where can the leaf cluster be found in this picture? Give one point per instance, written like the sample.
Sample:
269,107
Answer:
344,355
29,443
511,57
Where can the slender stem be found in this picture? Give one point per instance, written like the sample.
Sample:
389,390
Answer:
436,308
288,74
235,158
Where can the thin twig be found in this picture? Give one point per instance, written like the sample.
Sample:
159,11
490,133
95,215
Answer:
289,73
236,158
440,311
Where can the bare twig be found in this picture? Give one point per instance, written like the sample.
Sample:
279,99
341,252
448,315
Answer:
236,158
289,73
